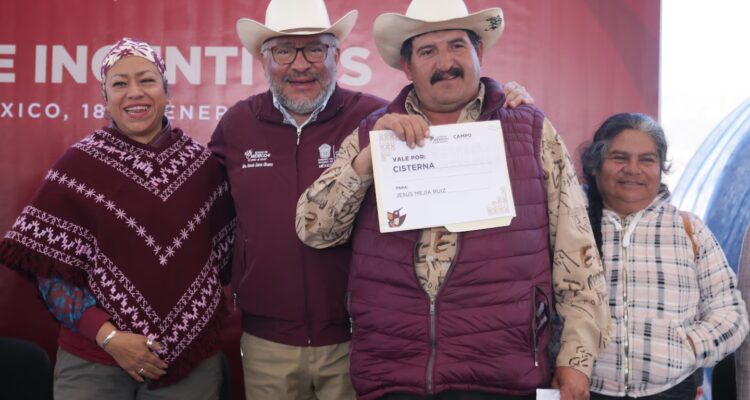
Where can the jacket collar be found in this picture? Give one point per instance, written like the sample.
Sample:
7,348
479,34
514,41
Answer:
161,140
493,100
663,197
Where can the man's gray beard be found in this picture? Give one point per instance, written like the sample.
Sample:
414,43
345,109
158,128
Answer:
302,107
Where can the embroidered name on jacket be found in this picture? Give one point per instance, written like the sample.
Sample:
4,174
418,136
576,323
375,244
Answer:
257,159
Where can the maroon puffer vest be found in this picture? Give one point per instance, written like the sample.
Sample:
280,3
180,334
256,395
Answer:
480,334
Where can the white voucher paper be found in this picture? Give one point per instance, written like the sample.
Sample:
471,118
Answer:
458,179
547,394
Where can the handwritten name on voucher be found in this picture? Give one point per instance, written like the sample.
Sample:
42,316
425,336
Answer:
459,177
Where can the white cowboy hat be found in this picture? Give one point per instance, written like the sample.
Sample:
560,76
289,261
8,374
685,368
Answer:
391,30
292,17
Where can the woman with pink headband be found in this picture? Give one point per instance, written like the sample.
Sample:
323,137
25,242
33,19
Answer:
125,239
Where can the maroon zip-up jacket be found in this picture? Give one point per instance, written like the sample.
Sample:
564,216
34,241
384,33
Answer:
485,331
289,293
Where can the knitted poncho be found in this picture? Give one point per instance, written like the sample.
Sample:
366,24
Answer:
145,230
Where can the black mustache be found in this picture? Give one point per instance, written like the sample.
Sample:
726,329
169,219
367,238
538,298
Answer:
441,75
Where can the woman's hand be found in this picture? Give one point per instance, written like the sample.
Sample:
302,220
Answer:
132,354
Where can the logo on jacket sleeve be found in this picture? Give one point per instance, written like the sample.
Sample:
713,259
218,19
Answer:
257,159
326,155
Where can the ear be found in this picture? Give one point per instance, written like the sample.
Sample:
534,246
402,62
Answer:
165,86
480,52
265,59
406,67
337,55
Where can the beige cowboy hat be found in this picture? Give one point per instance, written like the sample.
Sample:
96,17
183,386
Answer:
391,30
292,17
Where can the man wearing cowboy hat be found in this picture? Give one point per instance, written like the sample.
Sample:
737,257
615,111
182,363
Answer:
296,332
443,315
295,340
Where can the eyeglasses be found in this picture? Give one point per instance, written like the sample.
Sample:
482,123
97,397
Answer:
313,52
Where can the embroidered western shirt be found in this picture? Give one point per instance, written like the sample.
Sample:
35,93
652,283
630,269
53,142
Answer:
335,199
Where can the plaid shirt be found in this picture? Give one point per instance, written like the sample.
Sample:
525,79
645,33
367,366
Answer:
742,357
661,294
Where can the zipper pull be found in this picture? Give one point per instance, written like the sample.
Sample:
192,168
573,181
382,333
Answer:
234,300
534,327
299,133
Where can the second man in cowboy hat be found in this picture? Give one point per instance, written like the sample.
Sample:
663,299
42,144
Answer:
295,340
441,315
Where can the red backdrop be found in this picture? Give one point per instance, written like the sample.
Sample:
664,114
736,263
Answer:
582,60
